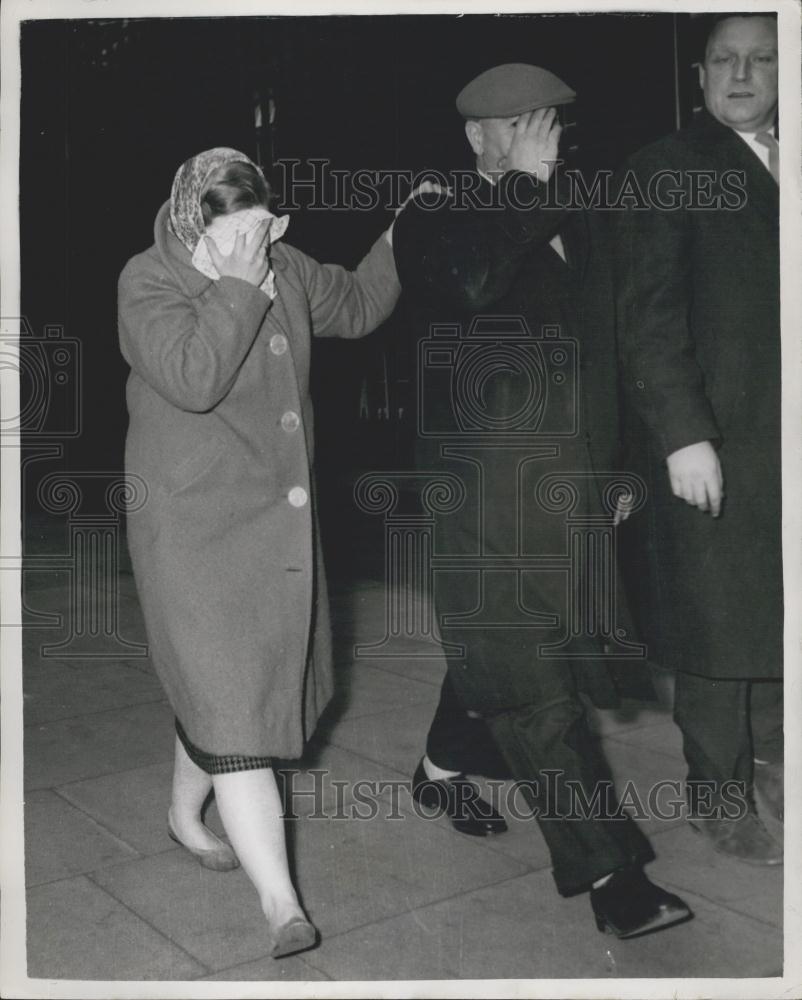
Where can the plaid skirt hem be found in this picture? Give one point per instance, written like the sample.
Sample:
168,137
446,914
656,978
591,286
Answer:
212,764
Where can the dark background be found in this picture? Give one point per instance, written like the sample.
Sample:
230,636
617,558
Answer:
111,108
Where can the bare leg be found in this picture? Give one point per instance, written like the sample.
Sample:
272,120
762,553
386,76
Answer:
191,785
253,816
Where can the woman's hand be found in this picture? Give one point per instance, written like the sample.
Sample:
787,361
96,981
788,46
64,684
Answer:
248,259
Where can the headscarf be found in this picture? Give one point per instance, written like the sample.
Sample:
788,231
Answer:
186,215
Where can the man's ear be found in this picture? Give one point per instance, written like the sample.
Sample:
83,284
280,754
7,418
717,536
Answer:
473,130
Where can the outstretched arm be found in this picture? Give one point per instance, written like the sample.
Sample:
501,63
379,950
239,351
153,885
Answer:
346,303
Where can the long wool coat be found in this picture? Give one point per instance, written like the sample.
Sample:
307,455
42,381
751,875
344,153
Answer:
698,306
495,265
225,551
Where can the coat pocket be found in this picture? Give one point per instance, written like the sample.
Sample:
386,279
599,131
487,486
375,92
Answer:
193,469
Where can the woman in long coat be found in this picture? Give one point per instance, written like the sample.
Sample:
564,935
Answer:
225,551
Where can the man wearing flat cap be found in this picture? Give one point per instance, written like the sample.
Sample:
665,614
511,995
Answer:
517,400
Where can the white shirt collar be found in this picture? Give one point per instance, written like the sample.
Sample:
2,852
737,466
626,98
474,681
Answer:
758,148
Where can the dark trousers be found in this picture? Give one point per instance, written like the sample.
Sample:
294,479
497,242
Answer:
548,747
726,724
461,742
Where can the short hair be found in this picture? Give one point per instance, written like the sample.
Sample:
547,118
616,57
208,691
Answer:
712,22
232,187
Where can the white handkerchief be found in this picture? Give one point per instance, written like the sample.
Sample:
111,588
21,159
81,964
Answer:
224,231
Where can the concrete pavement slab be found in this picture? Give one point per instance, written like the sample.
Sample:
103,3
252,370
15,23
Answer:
61,841
78,931
62,689
330,778
354,872
73,610
417,662
396,738
523,929
362,691
348,873
685,859
97,743
132,804
292,968
214,916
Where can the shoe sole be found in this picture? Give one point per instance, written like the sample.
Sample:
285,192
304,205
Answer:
661,921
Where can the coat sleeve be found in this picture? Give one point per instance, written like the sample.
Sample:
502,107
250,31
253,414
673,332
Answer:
189,350
654,301
468,257
346,303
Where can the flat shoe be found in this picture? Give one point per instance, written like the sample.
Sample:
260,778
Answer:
218,859
294,936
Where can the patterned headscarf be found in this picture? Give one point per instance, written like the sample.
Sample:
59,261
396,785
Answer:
186,217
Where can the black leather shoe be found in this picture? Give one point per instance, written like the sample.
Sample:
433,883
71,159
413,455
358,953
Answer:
461,802
628,904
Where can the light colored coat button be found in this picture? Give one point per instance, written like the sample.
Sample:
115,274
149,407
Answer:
290,421
278,343
297,496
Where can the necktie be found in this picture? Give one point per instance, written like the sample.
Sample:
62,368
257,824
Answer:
767,139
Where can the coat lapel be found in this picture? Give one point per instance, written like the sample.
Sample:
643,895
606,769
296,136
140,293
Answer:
732,153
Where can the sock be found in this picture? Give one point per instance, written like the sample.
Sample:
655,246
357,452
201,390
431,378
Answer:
602,881
436,773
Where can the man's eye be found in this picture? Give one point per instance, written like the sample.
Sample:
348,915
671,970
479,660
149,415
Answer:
721,59
763,58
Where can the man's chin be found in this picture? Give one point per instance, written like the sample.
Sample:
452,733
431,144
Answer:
742,117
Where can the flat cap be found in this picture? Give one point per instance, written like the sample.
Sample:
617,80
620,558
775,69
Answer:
511,89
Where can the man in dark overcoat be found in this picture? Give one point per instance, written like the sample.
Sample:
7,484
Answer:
699,314
517,402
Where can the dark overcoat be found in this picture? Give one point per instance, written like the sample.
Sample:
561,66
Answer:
225,550
516,384
699,327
